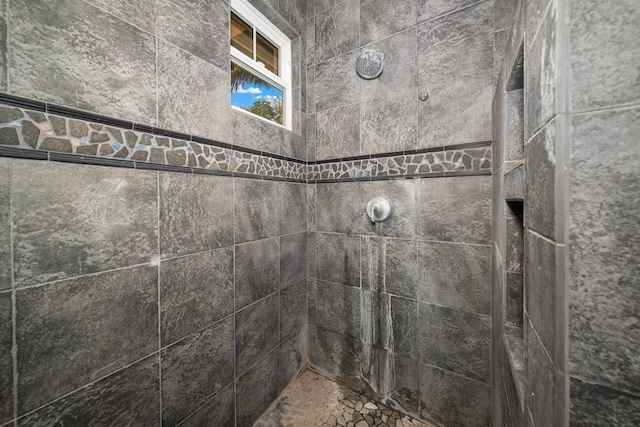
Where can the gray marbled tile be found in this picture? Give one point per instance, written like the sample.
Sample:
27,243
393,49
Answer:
456,45
605,248
515,125
455,275
293,12
595,405
312,298
504,13
335,82
120,81
200,28
338,308
455,209
455,340
541,297
500,45
193,95
256,133
403,196
256,389
195,291
389,124
293,143
141,13
540,75
74,332
514,251
293,309
195,213
257,209
115,207
194,369
429,9
404,318
292,358
452,399
457,111
293,208
515,299
338,258
310,42
218,411
379,20
337,30
293,259
540,172
337,207
3,45
257,270
400,74
405,390
6,357
257,332
338,355
5,225
401,268
130,396
604,56
338,132
540,379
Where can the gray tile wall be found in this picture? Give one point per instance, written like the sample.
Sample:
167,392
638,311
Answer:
162,63
579,278
134,296
420,280
444,49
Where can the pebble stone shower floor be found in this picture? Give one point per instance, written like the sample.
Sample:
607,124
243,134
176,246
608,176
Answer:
315,400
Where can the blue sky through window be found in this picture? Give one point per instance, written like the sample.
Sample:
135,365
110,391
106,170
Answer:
248,94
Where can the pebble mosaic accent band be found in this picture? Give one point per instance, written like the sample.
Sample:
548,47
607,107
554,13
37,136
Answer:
28,133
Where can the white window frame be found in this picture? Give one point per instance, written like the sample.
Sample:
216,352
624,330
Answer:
253,17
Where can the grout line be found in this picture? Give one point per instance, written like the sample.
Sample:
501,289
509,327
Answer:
158,202
235,308
89,384
14,306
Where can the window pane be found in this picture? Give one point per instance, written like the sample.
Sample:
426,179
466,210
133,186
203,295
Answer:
241,35
254,94
267,53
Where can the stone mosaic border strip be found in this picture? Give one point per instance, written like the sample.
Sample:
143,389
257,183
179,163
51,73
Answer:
472,159
37,130
69,139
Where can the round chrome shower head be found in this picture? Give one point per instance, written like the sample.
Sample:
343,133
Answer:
369,64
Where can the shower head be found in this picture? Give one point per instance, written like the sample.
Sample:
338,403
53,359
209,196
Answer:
369,64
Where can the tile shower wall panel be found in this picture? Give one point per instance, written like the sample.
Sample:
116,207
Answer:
196,214
195,291
444,51
53,63
76,331
425,298
86,337
195,369
112,226
200,28
130,396
193,95
161,65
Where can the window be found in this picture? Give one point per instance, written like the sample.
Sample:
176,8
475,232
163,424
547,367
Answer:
260,65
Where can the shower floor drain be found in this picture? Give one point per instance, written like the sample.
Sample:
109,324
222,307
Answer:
314,400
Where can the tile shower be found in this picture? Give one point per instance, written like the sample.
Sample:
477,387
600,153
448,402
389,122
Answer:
165,260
